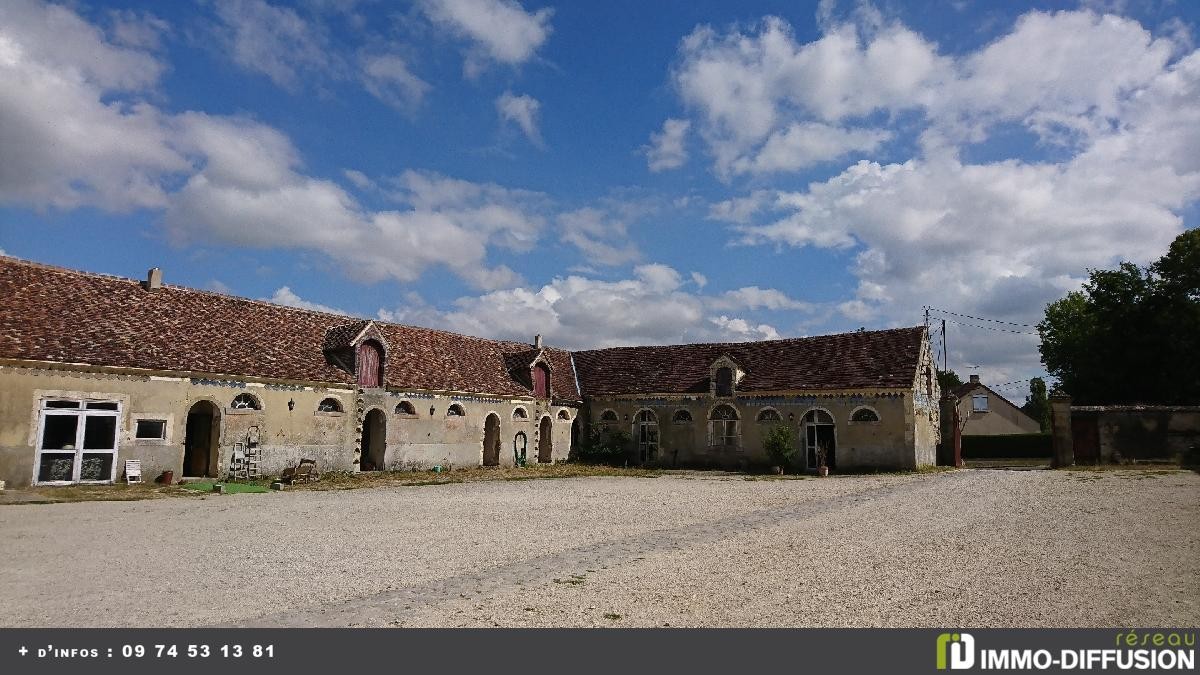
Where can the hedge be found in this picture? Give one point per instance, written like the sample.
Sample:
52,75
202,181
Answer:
1007,446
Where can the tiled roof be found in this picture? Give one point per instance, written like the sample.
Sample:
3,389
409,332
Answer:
58,315
864,359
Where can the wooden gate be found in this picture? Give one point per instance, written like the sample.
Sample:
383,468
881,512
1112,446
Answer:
1085,438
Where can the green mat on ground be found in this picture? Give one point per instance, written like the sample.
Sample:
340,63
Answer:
230,488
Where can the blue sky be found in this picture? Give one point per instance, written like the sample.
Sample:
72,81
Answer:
609,173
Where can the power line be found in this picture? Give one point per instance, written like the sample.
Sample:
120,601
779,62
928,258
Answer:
978,318
1002,330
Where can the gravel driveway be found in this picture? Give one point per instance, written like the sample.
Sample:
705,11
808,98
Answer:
970,548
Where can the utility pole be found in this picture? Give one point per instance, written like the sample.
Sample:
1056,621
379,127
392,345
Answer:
926,317
945,354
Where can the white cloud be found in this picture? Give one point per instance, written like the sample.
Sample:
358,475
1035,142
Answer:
274,41
579,312
805,144
500,31
140,30
388,78
666,149
523,111
285,296
753,297
699,279
602,238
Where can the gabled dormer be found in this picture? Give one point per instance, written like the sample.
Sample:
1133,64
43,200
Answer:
358,348
724,374
532,368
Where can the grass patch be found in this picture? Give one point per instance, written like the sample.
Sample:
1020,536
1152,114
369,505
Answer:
66,494
573,580
230,488
612,617
353,481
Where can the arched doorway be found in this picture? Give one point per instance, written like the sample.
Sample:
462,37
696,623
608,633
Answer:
575,429
201,440
374,442
646,433
546,441
819,439
491,440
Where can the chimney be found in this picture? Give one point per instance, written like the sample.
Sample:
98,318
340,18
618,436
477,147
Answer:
537,341
154,279
974,379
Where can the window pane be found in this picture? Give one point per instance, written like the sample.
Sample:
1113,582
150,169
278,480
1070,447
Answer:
151,429
102,405
55,466
62,404
100,432
59,432
96,466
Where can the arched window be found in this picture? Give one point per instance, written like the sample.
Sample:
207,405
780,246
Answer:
724,382
864,414
245,402
406,408
541,381
520,414
329,405
564,415
455,410
816,416
608,416
682,416
647,435
820,439
723,428
769,415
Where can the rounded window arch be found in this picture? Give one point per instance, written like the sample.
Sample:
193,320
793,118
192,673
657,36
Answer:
520,413
818,416
564,415
245,401
723,412
455,410
769,415
681,416
406,408
609,415
330,405
864,414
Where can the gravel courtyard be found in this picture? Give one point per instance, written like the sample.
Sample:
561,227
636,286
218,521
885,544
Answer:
962,548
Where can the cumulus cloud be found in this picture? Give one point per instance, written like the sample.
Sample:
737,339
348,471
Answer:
523,111
578,312
274,41
388,78
666,149
603,238
1002,238
499,31
285,296
77,131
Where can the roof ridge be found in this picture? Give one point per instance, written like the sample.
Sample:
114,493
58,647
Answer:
750,342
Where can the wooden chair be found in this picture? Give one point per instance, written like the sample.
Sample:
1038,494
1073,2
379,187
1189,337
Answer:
304,472
133,471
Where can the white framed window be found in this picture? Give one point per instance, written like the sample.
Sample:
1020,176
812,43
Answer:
723,431
979,403
769,415
150,429
646,433
245,402
864,415
77,442
329,405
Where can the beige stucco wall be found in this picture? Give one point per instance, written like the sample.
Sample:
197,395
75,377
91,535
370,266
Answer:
859,444
285,435
1002,416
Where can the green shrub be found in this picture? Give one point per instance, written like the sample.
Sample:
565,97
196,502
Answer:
781,450
601,446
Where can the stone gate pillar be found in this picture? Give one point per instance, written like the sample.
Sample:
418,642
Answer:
1060,430
950,449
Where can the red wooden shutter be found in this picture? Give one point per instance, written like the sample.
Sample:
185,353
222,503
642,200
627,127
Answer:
541,381
369,360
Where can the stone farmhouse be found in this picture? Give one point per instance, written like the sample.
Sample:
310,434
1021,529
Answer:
96,370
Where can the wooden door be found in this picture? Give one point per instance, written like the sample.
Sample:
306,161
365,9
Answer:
1085,439
370,357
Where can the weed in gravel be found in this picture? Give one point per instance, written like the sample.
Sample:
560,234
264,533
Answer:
612,617
573,580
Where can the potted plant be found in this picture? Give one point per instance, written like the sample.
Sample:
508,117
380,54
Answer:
822,455
779,447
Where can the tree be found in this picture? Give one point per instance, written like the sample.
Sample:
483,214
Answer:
779,446
1132,335
947,380
1038,405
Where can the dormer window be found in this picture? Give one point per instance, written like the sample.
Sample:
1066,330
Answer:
724,381
541,381
370,364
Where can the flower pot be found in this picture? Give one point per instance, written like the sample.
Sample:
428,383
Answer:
822,471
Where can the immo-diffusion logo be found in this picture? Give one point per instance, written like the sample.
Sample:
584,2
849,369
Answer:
1135,650
960,647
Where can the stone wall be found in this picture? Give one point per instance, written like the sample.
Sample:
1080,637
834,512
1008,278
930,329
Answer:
1130,432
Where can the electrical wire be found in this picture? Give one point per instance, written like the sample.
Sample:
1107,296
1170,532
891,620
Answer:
978,318
1002,330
